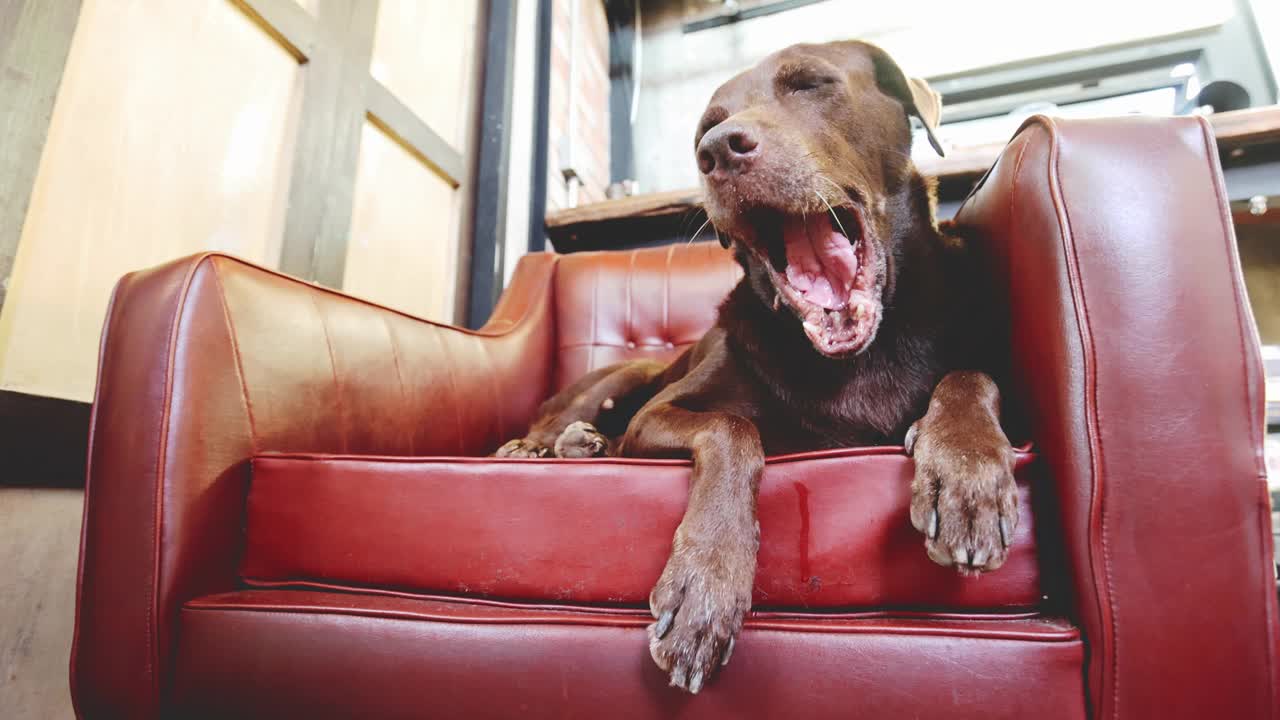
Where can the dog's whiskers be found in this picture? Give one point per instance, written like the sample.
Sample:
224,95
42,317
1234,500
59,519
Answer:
833,213
701,227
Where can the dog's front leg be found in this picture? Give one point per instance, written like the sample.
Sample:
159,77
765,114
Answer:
704,592
963,497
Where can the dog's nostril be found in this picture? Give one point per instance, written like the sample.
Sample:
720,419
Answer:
706,162
742,143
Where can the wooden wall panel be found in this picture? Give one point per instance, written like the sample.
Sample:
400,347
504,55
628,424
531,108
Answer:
424,51
403,249
171,134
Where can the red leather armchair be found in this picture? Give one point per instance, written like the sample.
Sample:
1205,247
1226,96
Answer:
287,514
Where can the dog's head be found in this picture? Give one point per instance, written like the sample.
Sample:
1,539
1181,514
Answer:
804,159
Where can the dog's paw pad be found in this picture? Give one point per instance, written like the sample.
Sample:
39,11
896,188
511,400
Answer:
966,505
698,613
521,448
581,440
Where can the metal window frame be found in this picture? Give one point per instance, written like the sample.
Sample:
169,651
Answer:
492,163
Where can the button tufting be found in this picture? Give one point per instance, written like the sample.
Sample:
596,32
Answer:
631,344
670,345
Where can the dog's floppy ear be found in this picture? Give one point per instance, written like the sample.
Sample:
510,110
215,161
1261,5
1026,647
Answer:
915,94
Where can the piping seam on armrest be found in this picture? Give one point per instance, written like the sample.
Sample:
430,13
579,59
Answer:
1255,433
1098,516
235,350
152,623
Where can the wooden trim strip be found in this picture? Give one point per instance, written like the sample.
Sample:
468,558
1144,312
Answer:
1234,130
286,22
327,145
404,126
35,38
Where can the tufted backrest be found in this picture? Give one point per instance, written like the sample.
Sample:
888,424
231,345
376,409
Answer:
650,303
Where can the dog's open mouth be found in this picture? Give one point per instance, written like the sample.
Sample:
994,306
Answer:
826,270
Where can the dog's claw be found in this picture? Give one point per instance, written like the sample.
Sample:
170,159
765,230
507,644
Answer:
980,558
695,682
728,653
1006,531
678,677
933,525
961,556
664,624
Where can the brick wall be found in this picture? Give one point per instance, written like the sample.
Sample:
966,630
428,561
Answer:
590,153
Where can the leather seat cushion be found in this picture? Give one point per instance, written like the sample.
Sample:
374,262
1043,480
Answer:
835,530
307,654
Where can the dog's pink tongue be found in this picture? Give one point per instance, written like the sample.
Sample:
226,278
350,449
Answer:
820,261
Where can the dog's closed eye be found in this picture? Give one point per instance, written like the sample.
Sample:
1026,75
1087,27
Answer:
802,78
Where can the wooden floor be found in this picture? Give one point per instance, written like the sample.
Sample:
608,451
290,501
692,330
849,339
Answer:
39,544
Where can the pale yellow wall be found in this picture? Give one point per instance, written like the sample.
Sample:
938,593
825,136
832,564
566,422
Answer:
407,222
424,52
403,249
171,134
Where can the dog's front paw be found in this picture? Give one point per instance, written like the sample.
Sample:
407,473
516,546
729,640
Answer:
581,440
699,604
963,498
521,448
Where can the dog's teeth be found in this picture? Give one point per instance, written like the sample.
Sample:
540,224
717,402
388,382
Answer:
811,328
777,301
607,404
857,312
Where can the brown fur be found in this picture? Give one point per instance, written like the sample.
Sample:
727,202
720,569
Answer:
830,121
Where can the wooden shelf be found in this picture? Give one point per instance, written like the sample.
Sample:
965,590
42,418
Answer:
1234,130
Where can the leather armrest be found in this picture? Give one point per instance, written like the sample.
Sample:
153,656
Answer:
1135,355
207,361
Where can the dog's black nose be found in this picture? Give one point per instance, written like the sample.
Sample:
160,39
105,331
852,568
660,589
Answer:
727,149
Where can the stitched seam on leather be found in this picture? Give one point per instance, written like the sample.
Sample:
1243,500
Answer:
512,327
333,369
1242,325
395,361
666,293
304,585
653,346
595,318
1024,454
152,625
453,391
639,620
631,268
1267,552
235,350
551,326
1109,618
1241,299
498,402
84,511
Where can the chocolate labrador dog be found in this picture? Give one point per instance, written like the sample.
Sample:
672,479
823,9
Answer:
858,323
